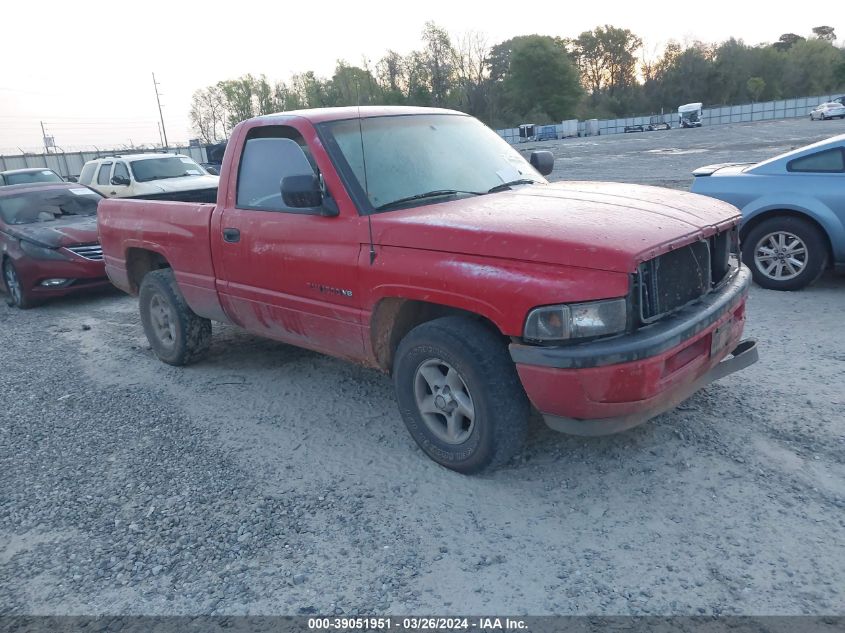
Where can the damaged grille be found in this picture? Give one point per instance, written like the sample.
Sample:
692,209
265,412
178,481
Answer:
672,280
94,252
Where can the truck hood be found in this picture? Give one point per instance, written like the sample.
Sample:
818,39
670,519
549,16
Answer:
602,226
172,185
63,232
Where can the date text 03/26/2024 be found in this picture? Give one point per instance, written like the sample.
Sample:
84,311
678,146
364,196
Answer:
416,624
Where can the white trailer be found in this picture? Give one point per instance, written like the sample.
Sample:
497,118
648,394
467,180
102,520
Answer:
690,115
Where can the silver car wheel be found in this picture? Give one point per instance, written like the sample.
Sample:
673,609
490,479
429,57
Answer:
163,321
13,284
444,401
780,256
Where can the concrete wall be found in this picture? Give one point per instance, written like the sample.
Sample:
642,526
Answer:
746,113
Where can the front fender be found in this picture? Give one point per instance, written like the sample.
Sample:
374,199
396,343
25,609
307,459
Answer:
501,290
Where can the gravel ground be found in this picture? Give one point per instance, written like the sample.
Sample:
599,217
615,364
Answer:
667,158
272,480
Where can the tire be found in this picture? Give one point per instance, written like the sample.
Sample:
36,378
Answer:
177,335
18,296
486,379
765,238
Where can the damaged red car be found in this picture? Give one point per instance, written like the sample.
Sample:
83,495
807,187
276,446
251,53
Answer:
48,242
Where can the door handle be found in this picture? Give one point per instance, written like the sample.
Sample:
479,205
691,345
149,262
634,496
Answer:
231,235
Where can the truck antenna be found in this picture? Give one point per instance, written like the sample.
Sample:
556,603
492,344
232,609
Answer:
364,161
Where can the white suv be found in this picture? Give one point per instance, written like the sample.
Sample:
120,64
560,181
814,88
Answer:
150,176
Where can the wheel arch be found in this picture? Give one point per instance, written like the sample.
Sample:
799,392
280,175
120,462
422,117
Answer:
393,317
139,262
767,214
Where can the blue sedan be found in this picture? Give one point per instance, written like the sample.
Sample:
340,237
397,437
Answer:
793,211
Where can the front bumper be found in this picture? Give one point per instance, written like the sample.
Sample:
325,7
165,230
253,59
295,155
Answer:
85,275
610,385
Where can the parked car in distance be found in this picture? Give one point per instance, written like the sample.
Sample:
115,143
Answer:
417,241
825,111
151,177
48,241
28,176
793,211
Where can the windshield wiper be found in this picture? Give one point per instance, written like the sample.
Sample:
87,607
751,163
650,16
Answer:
427,194
508,185
165,177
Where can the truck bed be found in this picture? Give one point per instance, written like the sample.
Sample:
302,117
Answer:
176,232
207,195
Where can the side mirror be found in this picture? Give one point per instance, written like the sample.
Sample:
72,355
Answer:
72,179
120,180
302,192
543,161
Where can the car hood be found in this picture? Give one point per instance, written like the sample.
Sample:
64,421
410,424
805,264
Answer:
602,226
62,232
171,185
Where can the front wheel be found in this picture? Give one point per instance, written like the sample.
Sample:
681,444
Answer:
459,394
18,294
785,253
176,333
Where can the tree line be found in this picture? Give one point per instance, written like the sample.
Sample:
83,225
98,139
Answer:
602,73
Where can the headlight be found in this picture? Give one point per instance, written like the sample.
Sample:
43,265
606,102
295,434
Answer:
40,252
577,320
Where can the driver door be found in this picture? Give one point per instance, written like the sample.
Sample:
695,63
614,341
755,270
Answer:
287,273
119,180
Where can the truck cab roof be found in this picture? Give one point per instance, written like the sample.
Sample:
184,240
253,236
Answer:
320,115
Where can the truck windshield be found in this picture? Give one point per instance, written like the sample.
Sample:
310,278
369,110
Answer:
419,159
166,167
46,205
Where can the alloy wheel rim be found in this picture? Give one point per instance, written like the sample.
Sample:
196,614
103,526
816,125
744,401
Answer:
163,321
444,401
13,284
781,255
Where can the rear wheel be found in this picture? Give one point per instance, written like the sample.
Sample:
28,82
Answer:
18,295
460,395
785,253
176,333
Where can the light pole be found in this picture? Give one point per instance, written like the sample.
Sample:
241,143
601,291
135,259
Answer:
160,116
44,138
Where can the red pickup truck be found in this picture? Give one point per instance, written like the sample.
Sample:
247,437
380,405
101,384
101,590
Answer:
417,241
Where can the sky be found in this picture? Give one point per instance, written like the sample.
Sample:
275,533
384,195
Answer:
87,73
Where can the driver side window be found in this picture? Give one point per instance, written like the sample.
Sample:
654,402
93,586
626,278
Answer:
271,154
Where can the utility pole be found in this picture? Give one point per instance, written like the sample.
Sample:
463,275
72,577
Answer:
160,116
44,138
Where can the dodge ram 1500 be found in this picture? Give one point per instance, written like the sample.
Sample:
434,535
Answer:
417,241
